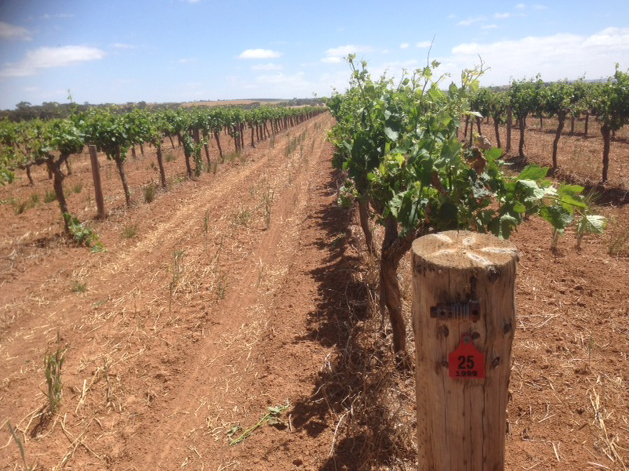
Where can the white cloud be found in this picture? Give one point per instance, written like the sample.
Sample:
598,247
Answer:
470,21
345,50
123,46
423,44
393,69
269,66
187,60
554,57
281,78
502,16
520,6
336,54
492,26
404,45
259,54
47,16
617,38
539,7
50,57
280,85
12,32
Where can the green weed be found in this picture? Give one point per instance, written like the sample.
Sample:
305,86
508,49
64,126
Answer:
19,207
80,233
49,196
149,193
272,417
233,156
618,243
20,445
242,218
53,362
206,221
79,287
130,231
78,187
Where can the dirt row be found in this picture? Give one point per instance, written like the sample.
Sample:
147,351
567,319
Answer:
182,333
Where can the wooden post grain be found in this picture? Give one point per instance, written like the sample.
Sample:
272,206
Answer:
468,280
98,189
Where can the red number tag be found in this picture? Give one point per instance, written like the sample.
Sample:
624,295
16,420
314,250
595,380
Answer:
466,361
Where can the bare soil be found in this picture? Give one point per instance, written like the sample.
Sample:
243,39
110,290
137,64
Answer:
248,289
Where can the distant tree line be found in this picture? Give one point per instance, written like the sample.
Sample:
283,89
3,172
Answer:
25,111
304,102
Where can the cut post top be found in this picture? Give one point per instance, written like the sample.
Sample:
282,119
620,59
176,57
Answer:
464,249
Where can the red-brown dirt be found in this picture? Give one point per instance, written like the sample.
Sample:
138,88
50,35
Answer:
249,288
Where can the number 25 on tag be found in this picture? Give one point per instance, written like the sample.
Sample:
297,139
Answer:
466,362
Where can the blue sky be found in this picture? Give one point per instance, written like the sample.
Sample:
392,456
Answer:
176,50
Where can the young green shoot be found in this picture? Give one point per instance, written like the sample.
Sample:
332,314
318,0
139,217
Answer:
53,362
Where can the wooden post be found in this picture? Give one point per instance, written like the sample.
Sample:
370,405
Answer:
509,118
464,321
98,189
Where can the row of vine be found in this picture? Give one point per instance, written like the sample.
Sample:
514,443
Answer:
607,102
52,142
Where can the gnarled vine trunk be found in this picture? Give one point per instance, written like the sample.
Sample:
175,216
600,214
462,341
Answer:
160,164
587,122
186,152
206,147
497,130
572,120
562,122
509,119
363,213
57,184
607,139
30,177
522,124
123,177
393,249
218,144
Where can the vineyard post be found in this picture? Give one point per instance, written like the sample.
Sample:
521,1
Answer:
509,118
98,189
464,320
